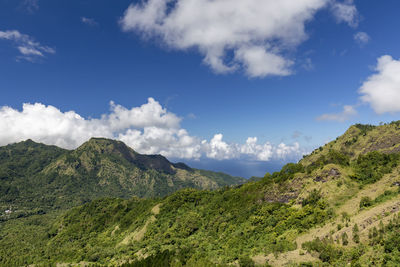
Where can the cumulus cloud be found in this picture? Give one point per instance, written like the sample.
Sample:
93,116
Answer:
216,148
346,114
362,38
254,59
346,12
68,129
382,89
89,21
170,142
28,48
149,129
284,151
251,35
262,152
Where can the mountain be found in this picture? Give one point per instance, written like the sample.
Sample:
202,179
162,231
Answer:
338,206
37,178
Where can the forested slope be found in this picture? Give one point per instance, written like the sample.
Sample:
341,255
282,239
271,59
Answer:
37,178
338,206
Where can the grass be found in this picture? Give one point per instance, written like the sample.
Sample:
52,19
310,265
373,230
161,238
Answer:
345,198
265,222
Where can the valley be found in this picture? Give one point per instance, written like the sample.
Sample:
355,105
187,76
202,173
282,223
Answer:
337,206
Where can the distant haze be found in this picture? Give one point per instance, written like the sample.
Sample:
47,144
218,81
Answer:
245,169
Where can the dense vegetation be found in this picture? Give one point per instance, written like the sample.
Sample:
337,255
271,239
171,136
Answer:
220,226
19,163
37,178
370,167
345,193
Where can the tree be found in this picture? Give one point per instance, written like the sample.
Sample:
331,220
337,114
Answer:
365,202
356,235
345,239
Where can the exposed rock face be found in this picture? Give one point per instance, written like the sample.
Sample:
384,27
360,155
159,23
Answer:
283,193
328,175
386,143
334,172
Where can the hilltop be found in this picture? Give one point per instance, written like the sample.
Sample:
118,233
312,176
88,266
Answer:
37,178
360,139
337,206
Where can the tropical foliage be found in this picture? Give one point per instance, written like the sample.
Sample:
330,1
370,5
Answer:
345,193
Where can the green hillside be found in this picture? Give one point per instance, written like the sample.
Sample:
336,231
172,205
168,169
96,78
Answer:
339,206
37,178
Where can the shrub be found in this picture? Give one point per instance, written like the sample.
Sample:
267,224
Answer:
345,217
392,243
365,128
356,235
365,202
333,157
326,249
345,239
245,261
312,198
287,172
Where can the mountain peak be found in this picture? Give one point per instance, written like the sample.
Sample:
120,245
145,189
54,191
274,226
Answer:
29,144
98,168
107,146
104,146
360,139
101,142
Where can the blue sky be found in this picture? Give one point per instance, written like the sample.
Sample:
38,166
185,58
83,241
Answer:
275,81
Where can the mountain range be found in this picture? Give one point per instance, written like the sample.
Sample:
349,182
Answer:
338,206
38,178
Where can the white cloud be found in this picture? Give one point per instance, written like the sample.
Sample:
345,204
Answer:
252,35
382,89
29,51
262,152
362,38
148,129
218,149
68,129
283,151
170,142
346,114
89,21
254,59
28,48
346,12
149,114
